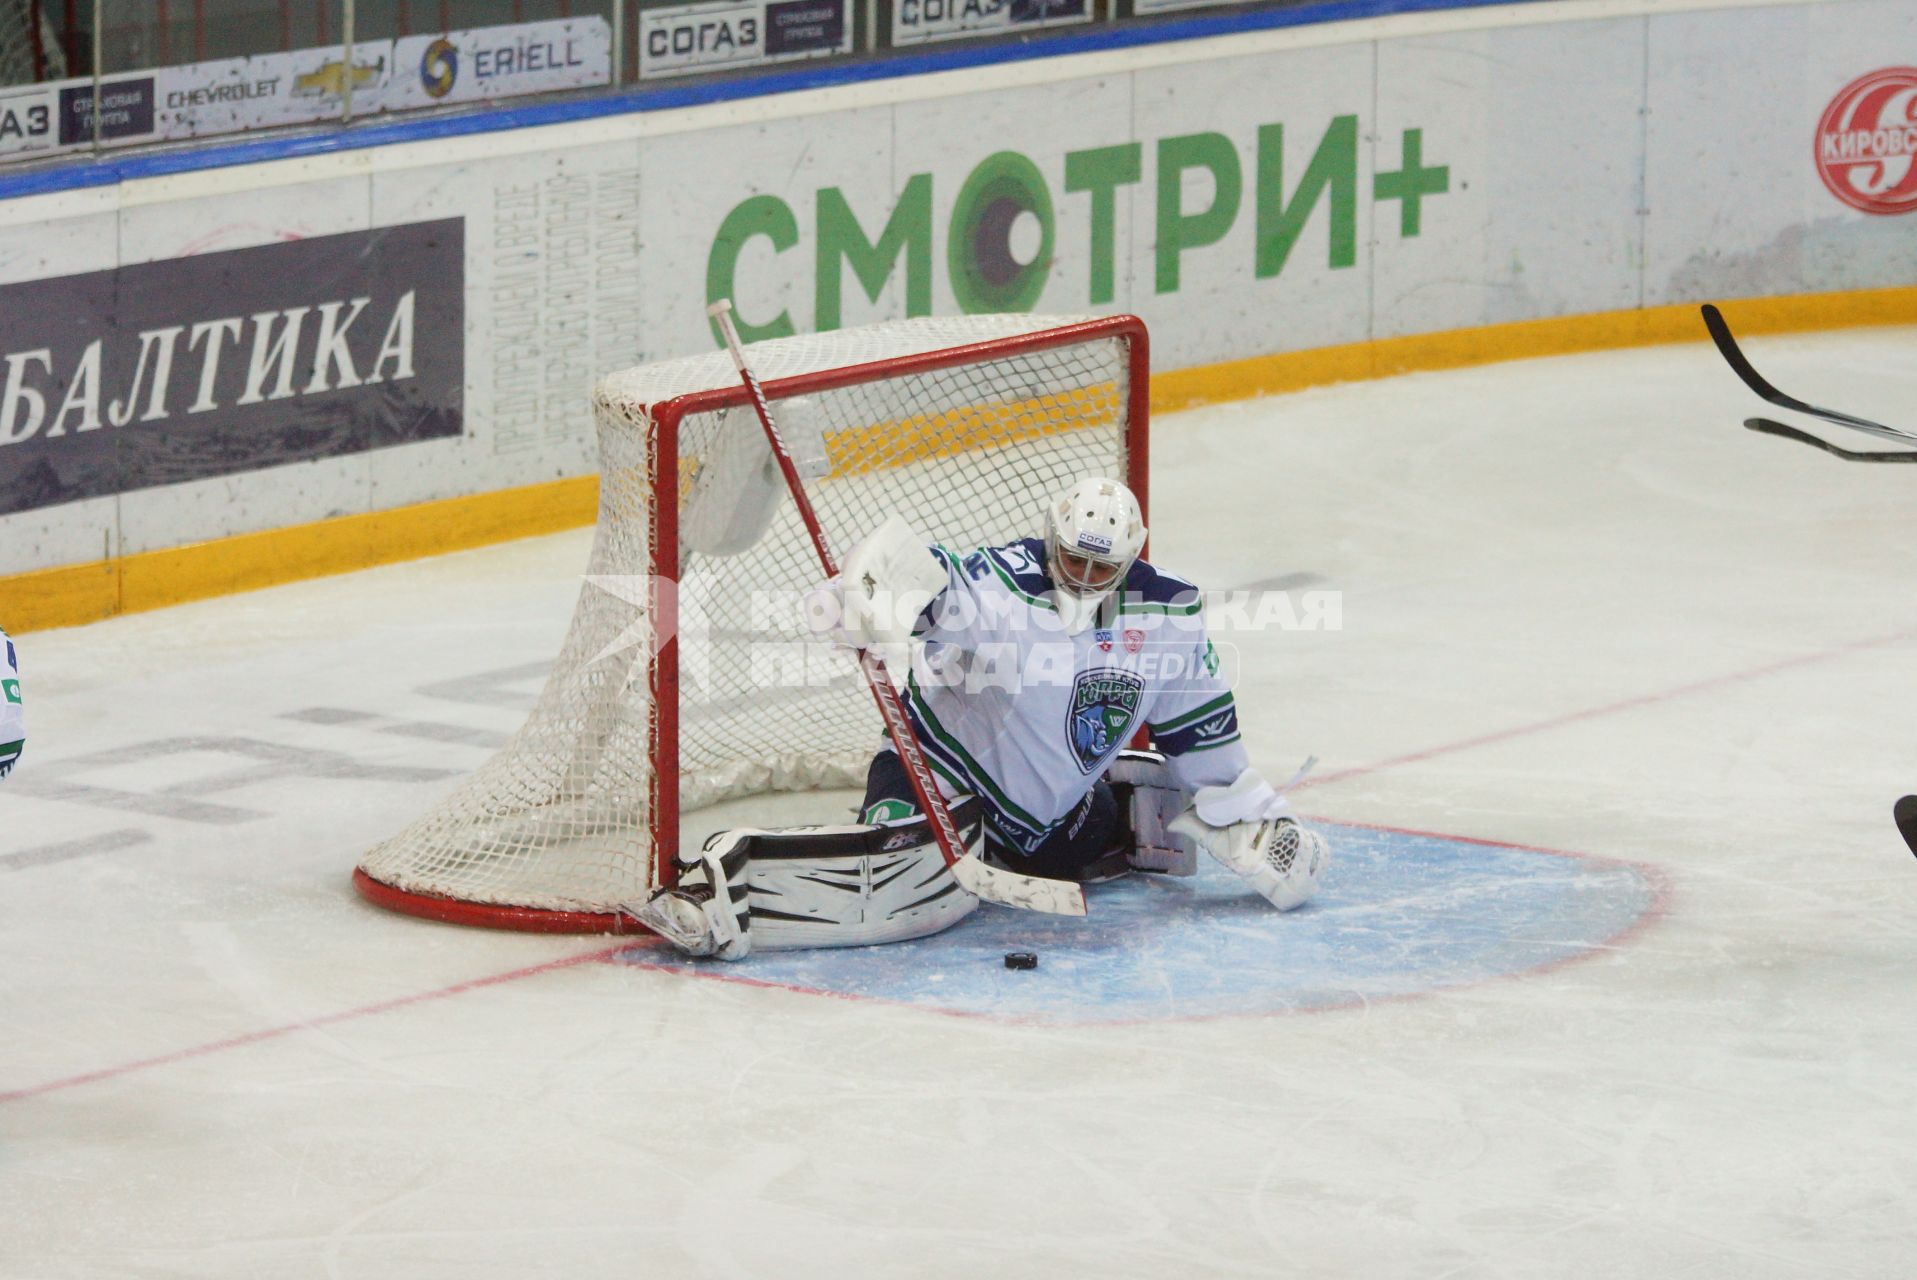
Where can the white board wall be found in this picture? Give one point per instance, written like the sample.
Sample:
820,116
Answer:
1619,160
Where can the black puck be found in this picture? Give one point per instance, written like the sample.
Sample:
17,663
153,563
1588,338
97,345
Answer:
1021,960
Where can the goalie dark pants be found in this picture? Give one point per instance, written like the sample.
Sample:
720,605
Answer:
1078,848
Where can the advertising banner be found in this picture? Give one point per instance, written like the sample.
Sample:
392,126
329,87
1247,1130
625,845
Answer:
1867,142
27,121
126,111
923,21
233,95
38,120
1244,205
499,62
191,368
224,96
236,94
740,33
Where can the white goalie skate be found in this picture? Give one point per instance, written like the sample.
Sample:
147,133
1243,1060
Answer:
706,914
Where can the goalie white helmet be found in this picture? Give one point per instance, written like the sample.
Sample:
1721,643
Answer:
1093,533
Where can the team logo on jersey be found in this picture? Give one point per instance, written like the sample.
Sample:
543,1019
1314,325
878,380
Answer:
1134,639
1103,705
1103,639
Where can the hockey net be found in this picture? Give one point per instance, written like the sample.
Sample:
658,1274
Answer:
688,675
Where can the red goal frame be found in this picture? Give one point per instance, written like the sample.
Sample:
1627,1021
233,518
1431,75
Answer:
662,456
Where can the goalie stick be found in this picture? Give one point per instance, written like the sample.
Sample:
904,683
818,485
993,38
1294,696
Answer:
1733,356
994,884
1905,812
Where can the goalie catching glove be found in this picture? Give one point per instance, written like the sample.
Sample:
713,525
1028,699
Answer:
1250,828
888,580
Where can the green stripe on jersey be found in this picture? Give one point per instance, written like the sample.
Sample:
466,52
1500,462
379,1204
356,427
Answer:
1185,721
978,772
1175,610
1208,746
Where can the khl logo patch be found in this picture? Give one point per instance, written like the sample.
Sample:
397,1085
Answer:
1104,701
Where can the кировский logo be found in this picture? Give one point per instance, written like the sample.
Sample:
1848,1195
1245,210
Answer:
1867,142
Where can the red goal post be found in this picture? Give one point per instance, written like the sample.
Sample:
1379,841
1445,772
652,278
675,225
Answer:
686,676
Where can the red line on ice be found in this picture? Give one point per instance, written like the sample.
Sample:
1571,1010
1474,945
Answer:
1609,708
308,1024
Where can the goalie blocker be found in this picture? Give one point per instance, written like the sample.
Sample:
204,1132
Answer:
887,881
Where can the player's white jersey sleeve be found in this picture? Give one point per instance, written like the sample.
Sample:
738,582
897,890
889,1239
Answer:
1194,718
13,720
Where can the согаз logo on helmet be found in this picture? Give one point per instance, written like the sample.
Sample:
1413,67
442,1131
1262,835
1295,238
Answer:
1867,142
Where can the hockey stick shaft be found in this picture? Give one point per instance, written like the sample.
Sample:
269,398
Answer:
1742,367
1059,897
1769,428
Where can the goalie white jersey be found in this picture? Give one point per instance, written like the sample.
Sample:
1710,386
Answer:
1012,709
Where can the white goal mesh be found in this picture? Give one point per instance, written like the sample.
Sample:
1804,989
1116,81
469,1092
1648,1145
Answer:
687,676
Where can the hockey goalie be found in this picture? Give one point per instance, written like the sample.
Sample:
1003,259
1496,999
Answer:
1032,667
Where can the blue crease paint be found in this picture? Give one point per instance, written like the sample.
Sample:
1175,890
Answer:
1399,915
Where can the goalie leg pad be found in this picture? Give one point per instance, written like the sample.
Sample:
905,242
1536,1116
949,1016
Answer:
1148,799
848,886
860,885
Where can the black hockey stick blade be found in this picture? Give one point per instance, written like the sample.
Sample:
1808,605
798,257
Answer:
1905,812
1734,357
1770,428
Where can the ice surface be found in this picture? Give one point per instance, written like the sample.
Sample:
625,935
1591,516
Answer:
1638,1001
1399,914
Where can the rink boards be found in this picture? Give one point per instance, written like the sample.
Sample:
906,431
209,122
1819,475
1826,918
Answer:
1282,208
